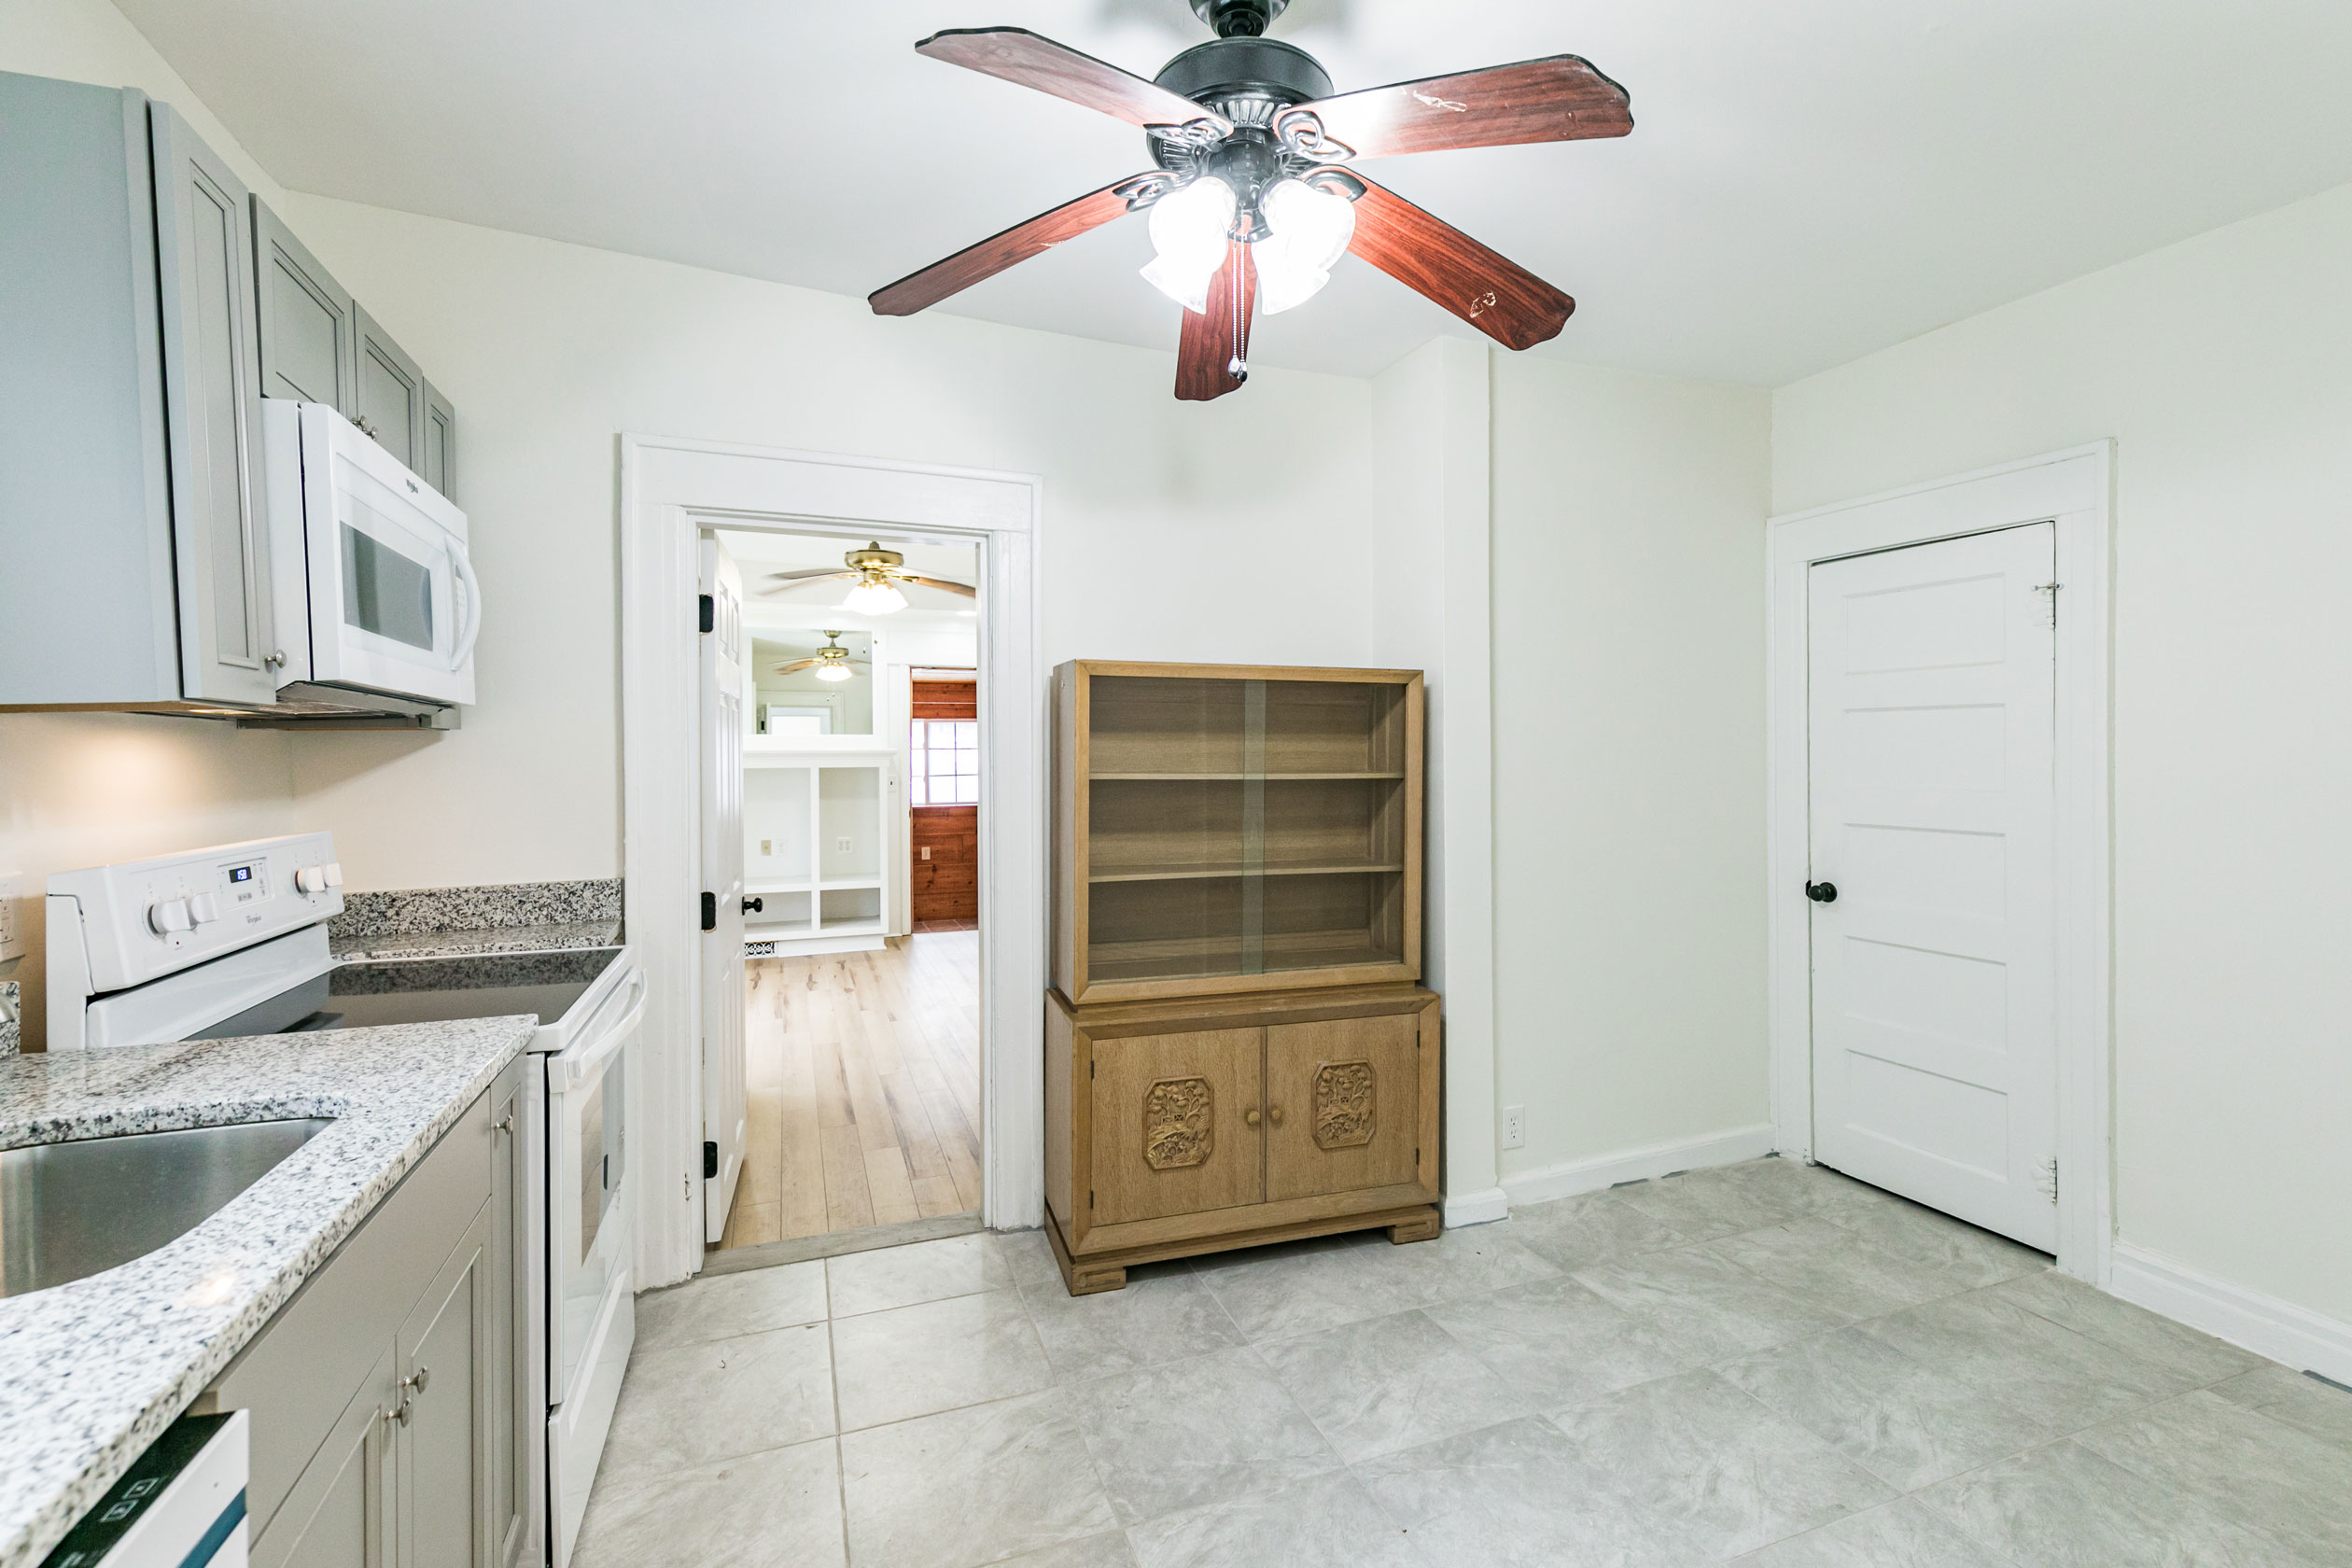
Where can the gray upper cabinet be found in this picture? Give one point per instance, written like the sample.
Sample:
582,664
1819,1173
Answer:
310,336
131,517
441,442
390,400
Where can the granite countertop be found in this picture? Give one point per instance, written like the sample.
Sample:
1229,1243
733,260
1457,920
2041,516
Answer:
92,1370
554,936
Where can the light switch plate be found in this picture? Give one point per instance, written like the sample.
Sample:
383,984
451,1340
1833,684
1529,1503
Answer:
16,908
1515,1126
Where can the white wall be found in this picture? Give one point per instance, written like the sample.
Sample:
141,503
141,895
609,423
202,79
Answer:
1629,763
2223,367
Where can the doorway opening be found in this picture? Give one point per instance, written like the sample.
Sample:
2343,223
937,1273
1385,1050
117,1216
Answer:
854,751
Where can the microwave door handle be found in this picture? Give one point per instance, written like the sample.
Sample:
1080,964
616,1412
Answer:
472,585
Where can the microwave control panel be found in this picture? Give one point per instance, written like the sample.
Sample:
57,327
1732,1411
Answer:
134,922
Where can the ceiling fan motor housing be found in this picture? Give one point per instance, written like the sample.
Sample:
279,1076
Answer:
1248,80
1238,19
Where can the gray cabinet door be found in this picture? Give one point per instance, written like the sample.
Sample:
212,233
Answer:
445,1437
339,1513
506,1342
390,400
211,374
441,442
310,342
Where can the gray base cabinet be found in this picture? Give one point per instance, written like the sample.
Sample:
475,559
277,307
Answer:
386,1396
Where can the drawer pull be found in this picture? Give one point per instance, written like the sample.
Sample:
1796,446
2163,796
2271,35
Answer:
416,1384
1250,1117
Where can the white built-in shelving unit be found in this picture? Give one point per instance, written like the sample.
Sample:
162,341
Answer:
813,826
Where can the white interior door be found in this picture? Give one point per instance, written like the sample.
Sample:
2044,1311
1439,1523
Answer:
721,750
1933,692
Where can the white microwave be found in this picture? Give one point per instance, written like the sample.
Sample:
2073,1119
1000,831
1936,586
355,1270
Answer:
374,589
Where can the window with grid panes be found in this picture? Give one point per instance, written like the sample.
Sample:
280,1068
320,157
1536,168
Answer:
944,757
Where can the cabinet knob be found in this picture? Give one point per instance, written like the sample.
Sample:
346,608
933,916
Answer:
275,658
400,1412
1274,1114
504,1123
1250,1117
416,1384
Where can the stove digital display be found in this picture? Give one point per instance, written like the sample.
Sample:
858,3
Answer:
240,874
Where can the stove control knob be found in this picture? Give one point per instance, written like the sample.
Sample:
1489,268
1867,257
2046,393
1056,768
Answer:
311,879
203,908
167,916
334,873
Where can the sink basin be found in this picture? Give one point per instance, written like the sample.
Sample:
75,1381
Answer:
68,1210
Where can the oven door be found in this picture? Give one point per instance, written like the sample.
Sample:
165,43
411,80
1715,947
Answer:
394,603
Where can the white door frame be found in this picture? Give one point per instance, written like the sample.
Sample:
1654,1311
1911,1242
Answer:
670,490
2074,489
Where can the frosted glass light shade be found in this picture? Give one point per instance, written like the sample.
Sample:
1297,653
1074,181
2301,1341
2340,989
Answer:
1308,232
1190,229
874,598
839,671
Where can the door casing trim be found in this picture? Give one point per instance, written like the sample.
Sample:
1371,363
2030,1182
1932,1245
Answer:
2073,488
670,490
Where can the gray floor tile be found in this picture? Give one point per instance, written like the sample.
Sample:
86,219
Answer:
2064,1506
778,1510
1513,1496
1190,1434
1996,1346
2113,1321
1325,1523
1455,1264
2280,1482
1109,1550
1148,1323
2302,1403
1593,1229
1963,1257
726,1305
1898,1418
1286,1292
1710,1468
1390,1384
1715,1310
913,1360
1557,1342
1833,1267
1805,1189
1902,1534
1029,1258
970,1486
887,1277
696,1404
1706,1204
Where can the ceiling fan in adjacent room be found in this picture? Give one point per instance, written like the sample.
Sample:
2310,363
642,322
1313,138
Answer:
1255,196
831,663
876,572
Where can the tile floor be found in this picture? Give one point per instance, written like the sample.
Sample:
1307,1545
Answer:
1764,1365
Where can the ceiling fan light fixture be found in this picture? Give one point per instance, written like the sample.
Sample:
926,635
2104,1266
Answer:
833,669
1191,228
875,598
1309,231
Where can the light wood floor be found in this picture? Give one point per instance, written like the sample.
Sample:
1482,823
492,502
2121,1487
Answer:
863,1080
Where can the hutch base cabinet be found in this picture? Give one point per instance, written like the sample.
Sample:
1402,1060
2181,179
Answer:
1201,1124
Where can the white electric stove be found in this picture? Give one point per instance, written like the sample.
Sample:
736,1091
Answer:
232,941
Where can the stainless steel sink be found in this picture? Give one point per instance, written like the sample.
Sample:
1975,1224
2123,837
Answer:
68,1210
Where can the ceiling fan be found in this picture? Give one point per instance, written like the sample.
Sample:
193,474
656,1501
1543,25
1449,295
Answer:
1254,195
878,572
831,662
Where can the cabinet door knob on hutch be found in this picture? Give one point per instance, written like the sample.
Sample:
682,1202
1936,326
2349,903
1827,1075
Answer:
1237,924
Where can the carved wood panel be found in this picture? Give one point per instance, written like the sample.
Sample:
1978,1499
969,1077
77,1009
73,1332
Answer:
1179,1124
1345,1093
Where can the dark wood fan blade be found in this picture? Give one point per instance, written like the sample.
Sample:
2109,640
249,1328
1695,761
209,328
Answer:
1558,98
1212,341
993,255
1017,55
1432,258
966,589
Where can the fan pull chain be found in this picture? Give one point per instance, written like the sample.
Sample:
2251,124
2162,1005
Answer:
1238,365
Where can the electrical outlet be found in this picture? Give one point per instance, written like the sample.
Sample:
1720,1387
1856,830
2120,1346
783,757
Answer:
16,899
841,845
1515,1126
767,847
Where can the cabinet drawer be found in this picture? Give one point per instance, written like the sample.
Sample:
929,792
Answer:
1342,1105
301,1372
1176,1125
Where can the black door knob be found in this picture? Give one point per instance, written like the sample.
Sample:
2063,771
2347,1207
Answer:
758,906
1822,892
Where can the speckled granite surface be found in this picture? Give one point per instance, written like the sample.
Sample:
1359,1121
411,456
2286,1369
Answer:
12,1016
549,937
418,911
92,1370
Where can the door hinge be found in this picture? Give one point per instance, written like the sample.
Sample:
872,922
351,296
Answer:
1090,1197
710,615
1090,1070
2051,602
710,911
711,1161
2050,1177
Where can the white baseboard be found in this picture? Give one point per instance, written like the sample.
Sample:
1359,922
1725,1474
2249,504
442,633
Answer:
1482,1207
2295,1336
1637,1163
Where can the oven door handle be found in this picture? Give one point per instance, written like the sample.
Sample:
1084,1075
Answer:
569,1070
461,564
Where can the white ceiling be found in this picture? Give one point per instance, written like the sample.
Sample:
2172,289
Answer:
1807,180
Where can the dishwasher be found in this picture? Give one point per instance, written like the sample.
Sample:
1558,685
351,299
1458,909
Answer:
182,1504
